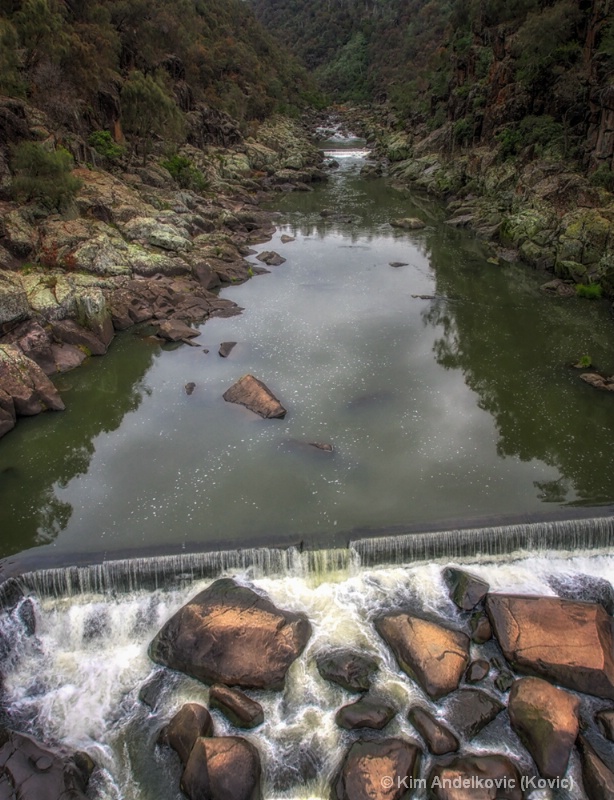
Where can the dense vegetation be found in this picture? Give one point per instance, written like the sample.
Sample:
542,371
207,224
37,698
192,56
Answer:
91,64
453,60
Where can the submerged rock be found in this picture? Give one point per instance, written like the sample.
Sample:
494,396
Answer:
584,588
438,738
477,671
560,640
546,720
377,770
256,396
240,709
222,768
173,330
31,771
353,671
226,349
497,775
190,723
367,712
435,656
230,634
598,381
408,223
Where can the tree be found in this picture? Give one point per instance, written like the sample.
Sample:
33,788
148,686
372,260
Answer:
44,175
148,111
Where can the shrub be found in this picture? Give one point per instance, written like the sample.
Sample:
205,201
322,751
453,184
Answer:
603,176
104,144
185,173
589,290
44,175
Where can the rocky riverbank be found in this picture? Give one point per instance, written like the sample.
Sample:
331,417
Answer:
536,668
134,247
544,212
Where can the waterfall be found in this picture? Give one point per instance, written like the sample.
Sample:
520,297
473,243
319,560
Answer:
168,571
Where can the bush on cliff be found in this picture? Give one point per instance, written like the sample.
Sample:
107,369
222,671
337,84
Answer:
44,176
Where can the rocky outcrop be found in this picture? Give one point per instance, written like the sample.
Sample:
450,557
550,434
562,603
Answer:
569,643
546,720
256,396
190,723
351,670
13,298
229,634
236,706
31,771
222,768
435,656
377,770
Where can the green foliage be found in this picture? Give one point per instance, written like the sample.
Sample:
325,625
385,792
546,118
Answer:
185,173
104,144
148,111
585,362
463,131
10,79
603,176
44,176
591,291
346,76
543,132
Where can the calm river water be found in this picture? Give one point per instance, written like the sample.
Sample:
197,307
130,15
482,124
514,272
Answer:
459,406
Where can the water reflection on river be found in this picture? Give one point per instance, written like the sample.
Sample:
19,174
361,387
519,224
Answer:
458,406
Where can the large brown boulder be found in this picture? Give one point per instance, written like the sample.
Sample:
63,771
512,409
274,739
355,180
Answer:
377,770
438,738
31,771
568,642
351,670
546,720
367,712
433,655
222,768
236,706
489,777
470,710
466,590
190,723
22,380
230,634
255,395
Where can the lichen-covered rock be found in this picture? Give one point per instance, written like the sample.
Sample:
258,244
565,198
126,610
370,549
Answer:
229,634
435,656
13,298
19,236
35,342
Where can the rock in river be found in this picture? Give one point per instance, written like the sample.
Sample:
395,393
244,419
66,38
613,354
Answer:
435,656
222,768
466,590
351,670
546,719
438,738
560,640
271,258
489,777
367,712
230,634
377,770
236,706
190,723
255,395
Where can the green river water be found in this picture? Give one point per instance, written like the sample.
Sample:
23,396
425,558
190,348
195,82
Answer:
461,406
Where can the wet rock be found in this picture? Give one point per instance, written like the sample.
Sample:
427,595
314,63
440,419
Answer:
173,330
190,723
230,634
8,416
584,588
438,738
353,671
471,710
367,712
286,239
324,446
368,767
271,258
222,768
435,656
31,771
226,349
189,388
567,642
466,590
397,264
477,671
546,720
598,381
408,223
240,709
248,391
504,681
481,630
67,357
497,776
67,331
605,723
26,384
157,685
598,779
